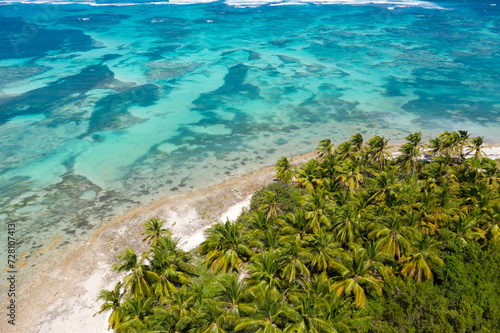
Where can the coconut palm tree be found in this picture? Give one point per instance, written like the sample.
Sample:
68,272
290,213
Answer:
258,226
476,147
408,160
437,174
153,229
410,190
134,313
464,141
436,146
465,229
437,206
294,225
466,173
356,142
393,202
309,315
162,320
232,294
351,174
336,312
480,199
257,221
347,224
200,291
323,249
417,264
180,308
319,285
377,150
269,204
410,152
317,209
309,175
173,269
268,314
112,302
167,253
356,273
326,149
415,139
225,247
266,240
490,173
384,182
486,202
328,167
284,170
211,318
295,261
331,186
344,151
451,143
138,281
393,234
267,269
377,258
492,230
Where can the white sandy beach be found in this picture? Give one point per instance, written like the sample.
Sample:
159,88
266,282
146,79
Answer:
62,295
77,312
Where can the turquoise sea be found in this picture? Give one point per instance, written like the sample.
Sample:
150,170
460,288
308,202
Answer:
105,105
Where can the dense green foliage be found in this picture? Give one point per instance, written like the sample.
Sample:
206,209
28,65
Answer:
286,197
354,240
464,297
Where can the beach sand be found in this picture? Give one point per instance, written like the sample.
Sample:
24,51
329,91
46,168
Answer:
60,294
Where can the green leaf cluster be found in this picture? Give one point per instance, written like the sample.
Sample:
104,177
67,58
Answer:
285,196
354,240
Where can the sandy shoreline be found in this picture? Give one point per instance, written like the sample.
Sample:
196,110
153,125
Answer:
62,296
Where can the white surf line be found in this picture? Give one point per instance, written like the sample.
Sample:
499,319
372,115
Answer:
402,3
238,3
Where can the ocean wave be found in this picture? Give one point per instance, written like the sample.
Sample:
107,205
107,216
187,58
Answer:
395,3
236,3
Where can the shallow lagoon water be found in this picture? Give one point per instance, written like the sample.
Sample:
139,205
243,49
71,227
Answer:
105,108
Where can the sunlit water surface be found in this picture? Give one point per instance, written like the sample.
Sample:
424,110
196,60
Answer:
105,108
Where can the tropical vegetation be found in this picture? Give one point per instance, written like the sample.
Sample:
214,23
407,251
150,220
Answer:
355,240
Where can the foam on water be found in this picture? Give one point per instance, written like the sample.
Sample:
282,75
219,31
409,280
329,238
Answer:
236,3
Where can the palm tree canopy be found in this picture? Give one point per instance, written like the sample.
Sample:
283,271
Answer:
225,247
284,170
309,255
153,229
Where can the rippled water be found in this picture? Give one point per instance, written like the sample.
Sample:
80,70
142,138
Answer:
104,108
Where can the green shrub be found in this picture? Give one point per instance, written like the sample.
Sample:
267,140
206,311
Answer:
284,195
464,298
